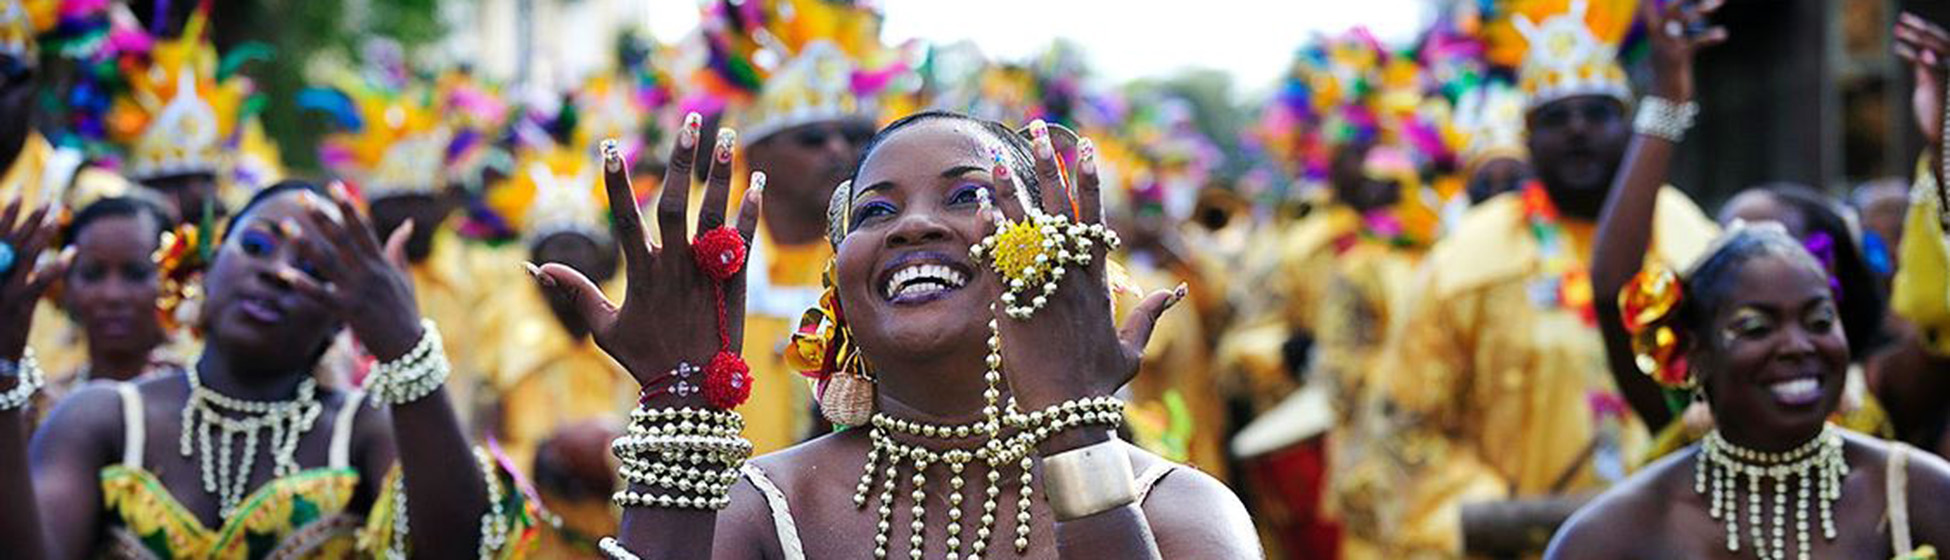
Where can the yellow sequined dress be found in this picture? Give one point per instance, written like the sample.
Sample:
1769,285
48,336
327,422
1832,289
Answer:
302,515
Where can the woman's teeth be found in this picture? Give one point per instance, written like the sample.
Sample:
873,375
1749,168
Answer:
1797,392
923,279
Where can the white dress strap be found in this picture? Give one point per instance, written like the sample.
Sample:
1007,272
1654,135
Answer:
1150,479
781,515
132,425
1898,499
342,429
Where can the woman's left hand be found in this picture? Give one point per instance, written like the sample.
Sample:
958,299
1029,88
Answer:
360,279
1071,349
1679,30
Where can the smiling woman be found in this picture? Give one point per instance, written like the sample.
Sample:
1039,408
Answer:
956,393
296,264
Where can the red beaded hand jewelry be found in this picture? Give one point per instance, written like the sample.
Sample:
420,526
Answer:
720,253
684,386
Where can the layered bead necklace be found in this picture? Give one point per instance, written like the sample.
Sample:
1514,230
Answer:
1815,469
209,411
887,457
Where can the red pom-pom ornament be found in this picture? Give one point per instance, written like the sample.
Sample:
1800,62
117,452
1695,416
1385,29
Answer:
720,252
728,381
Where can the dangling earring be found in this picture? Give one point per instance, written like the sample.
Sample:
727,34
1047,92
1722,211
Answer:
823,349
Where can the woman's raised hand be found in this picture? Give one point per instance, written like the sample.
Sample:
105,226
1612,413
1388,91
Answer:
1926,46
23,278
669,315
1679,30
359,278
1071,348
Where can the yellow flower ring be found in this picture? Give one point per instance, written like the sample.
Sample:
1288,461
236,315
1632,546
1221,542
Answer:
1649,304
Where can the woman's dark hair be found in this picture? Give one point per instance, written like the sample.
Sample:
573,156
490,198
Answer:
116,207
1022,163
268,193
1711,283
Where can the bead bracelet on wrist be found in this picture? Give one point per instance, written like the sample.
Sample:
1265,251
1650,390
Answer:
1663,119
29,380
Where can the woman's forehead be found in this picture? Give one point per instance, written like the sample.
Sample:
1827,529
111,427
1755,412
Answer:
924,150
1778,279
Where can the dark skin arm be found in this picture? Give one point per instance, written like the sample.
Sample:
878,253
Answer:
1912,383
1625,226
666,293
20,288
366,284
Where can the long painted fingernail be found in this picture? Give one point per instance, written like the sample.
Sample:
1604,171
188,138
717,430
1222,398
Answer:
612,156
758,184
289,229
1087,156
727,140
1178,294
688,136
1039,135
339,191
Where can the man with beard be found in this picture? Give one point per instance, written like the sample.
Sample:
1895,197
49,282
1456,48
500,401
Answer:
804,131
1501,403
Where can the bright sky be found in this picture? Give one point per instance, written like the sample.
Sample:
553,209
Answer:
1251,39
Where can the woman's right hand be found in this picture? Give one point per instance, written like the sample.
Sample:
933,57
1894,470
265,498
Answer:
1926,47
21,281
669,312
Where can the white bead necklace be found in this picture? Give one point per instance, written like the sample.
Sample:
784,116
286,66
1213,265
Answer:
1817,466
206,413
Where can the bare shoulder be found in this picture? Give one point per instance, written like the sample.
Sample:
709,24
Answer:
1642,500
87,421
745,528
749,527
1194,515
1927,478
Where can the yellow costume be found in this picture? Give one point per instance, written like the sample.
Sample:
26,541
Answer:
1178,367
1501,393
1922,287
302,515
778,413
450,291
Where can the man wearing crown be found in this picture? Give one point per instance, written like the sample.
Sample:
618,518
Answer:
1502,405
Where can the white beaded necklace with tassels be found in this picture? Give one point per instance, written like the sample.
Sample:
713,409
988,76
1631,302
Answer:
1813,472
209,411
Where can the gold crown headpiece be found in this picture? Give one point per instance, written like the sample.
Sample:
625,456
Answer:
1569,48
398,145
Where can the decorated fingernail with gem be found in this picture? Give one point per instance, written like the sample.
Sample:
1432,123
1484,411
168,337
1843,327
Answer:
997,166
727,139
612,156
687,137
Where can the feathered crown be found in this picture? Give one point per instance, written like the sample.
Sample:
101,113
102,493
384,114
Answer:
551,191
179,110
1569,48
793,62
1490,118
393,142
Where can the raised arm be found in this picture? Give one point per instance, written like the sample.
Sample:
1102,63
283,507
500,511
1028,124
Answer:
669,316
365,283
1678,31
22,238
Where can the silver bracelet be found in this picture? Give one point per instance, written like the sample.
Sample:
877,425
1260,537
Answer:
29,377
1662,119
1089,480
413,376
614,550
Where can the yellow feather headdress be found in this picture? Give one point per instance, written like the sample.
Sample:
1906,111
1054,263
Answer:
176,116
553,190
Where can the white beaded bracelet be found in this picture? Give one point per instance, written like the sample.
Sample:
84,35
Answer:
413,376
30,380
1665,120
